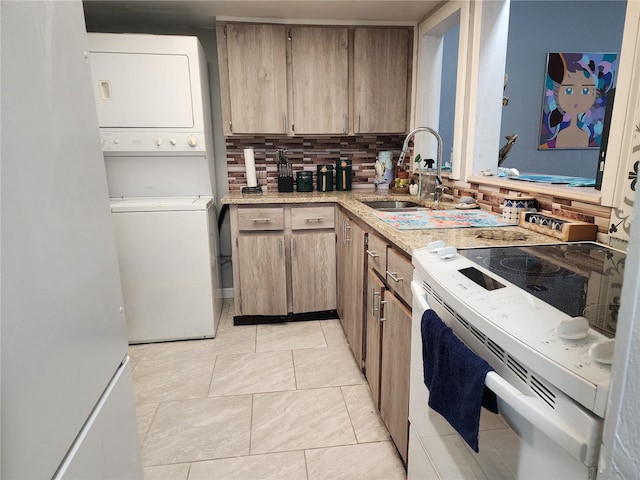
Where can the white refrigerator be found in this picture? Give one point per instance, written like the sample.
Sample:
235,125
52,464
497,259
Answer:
67,400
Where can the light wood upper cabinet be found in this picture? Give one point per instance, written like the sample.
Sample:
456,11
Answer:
313,80
381,66
253,78
320,79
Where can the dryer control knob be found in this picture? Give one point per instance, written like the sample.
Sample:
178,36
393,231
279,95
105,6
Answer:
158,142
116,141
192,140
173,141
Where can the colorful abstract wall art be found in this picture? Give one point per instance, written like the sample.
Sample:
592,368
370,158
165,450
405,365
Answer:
575,99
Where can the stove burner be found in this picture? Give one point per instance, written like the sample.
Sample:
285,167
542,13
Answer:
528,264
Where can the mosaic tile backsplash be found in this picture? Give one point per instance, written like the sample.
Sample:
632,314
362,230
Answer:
304,153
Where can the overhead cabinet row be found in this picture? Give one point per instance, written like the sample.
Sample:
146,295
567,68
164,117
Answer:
295,80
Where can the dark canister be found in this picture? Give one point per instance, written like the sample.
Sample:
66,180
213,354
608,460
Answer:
325,178
304,181
343,174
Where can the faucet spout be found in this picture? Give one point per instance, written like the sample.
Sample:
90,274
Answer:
439,188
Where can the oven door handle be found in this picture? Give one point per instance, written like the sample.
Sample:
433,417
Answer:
536,412
419,298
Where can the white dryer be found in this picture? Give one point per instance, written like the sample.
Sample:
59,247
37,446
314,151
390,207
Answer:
167,251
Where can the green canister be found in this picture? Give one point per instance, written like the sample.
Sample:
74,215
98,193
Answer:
304,181
343,175
325,178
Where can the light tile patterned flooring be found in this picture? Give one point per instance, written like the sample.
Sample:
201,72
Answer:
280,401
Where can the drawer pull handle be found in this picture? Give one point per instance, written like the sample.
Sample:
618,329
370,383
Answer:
313,219
394,276
372,254
373,301
261,220
380,304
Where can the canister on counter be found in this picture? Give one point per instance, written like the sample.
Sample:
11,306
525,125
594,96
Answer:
514,205
325,178
343,174
304,181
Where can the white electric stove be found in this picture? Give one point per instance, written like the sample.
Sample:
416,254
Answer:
544,317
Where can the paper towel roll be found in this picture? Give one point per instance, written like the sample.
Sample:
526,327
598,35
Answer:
250,167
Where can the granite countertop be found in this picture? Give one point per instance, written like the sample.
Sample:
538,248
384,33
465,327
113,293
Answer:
406,240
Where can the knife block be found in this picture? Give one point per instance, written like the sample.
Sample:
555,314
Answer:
285,184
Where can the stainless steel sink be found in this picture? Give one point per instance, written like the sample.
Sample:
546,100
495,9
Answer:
394,205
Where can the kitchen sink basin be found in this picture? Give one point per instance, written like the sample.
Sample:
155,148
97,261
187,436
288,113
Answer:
394,205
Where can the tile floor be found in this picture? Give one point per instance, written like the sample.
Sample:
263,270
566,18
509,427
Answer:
279,401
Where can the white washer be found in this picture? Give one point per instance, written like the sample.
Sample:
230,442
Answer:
168,254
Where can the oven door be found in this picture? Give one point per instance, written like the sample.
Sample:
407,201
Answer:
528,440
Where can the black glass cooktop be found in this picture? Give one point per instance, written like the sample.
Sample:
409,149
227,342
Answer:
580,279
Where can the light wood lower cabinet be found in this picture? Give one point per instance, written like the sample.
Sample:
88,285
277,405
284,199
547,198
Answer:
283,259
375,299
394,371
313,271
262,257
388,337
351,271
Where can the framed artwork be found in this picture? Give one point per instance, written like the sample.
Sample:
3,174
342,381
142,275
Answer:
575,99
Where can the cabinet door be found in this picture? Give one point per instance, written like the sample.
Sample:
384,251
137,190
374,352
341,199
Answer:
373,347
381,62
394,372
313,271
320,79
262,267
351,284
256,56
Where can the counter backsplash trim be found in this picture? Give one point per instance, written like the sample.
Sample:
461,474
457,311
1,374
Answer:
304,153
492,198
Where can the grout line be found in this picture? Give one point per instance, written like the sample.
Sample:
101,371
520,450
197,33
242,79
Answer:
213,370
251,422
293,364
353,428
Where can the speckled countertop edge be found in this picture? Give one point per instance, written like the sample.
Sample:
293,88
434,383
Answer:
406,240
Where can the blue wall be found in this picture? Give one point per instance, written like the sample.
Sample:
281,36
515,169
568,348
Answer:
536,28
448,90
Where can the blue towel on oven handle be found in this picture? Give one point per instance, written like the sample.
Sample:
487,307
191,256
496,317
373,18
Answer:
455,377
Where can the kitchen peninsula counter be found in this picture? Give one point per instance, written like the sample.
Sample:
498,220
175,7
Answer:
405,240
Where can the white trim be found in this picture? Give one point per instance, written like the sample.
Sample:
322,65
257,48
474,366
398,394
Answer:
428,77
624,114
315,21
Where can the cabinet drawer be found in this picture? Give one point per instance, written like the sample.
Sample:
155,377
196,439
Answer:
260,219
310,218
399,274
377,254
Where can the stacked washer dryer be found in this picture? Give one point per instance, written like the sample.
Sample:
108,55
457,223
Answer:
153,108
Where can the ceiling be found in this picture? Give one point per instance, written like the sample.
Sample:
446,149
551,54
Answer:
203,13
